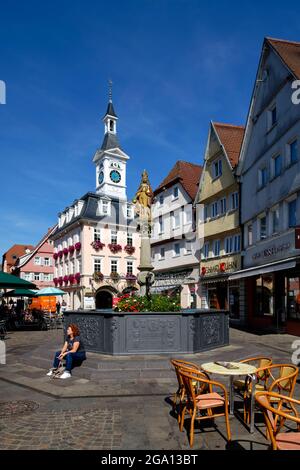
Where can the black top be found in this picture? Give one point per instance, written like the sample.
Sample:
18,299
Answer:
75,340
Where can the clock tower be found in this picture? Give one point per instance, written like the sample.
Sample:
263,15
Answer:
110,159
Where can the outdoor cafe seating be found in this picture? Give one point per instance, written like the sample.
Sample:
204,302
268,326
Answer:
195,396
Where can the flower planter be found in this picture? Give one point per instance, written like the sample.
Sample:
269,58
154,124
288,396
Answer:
77,277
66,279
71,249
114,247
60,254
129,249
71,279
55,280
65,251
98,277
55,256
97,245
114,276
78,246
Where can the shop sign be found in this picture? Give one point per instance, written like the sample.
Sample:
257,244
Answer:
267,252
217,268
89,303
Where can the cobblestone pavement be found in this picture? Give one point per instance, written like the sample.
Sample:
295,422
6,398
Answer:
111,423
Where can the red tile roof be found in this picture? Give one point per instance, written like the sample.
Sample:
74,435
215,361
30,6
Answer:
188,174
14,253
231,137
289,52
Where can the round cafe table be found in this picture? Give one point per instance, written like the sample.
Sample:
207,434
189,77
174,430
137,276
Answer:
241,369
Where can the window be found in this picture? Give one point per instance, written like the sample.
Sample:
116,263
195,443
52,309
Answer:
214,209
249,234
129,267
129,212
275,220
205,212
263,228
47,277
228,245
161,225
114,266
292,207
37,260
217,246
36,276
47,262
111,126
97,265
161,200
293,147
262,177
223,205
162,253
176,249
105,207
234,201
114,237
277,165
129,239
27,276
205,250
97,235
236,243
264,295
176,220
175,192
217,169
188,214
188,247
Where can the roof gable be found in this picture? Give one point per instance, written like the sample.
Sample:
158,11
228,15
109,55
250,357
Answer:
188,174
231,138
289,52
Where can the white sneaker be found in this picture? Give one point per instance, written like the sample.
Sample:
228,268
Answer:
65,375
50,373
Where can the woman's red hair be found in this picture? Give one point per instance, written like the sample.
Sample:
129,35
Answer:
75,329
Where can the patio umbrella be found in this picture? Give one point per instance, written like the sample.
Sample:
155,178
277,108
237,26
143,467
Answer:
8,281
20,293
47,291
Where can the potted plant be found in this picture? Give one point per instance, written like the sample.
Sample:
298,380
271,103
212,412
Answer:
60,280
130,277
114,276
55,256
66,279
97,245
77,277
78,246
65,251
55,280
98,276
129,249
71,249
71,279
114,247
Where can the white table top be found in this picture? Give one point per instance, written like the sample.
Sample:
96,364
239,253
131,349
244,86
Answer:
243,369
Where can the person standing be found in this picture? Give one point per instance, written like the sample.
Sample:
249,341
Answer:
63,306
58,307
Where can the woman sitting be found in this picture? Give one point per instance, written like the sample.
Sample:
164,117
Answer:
73,352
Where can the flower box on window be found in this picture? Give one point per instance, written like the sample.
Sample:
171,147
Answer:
55,255
114,276
66,279
71,279
77,277
71,249
97,245
60,254
129,249
65,251
55,280
78,246
114,247
130,277
60,281
98,276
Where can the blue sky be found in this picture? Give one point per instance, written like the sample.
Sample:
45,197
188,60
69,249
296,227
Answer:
175,64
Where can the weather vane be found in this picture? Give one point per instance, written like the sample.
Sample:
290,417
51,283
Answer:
110,84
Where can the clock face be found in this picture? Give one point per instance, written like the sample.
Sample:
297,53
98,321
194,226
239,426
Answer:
115,176
101,177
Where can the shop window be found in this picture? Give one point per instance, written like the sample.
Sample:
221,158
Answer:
264,296
234,301
293,298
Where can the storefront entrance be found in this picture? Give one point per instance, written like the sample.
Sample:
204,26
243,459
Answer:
103,299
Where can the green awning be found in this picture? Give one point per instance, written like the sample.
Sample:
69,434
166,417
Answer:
20,293
8,281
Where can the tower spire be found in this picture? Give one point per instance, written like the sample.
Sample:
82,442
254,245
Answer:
110,84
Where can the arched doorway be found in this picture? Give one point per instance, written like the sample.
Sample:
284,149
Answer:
103,299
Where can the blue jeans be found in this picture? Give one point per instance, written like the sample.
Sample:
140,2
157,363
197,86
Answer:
71,359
